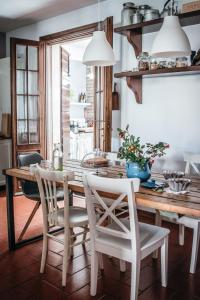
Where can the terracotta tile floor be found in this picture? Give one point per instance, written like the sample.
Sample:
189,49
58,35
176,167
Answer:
20,278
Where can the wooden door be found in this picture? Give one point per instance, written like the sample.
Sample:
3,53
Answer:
65,104
27,65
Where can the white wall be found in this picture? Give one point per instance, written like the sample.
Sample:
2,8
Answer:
5,101
77,86
171,105
77,79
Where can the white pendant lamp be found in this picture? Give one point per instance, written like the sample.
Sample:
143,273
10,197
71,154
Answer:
99,51
171,40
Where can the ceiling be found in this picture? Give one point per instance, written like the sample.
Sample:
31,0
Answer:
14,14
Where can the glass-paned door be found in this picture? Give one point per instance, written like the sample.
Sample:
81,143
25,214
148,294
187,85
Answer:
27,75
27,105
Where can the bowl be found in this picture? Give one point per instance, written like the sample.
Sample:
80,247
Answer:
179,185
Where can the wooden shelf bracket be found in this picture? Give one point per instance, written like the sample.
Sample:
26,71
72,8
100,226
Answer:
135,84
135,39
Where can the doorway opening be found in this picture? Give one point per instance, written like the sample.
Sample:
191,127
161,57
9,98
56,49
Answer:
73,99
78,98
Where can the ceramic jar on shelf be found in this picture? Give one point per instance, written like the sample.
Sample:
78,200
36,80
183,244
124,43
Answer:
153,64
143,61
181,62
128,10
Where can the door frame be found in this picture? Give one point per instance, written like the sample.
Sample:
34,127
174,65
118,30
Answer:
84,32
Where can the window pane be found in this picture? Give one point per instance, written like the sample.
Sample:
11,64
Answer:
22,132
33,132
32,58
21,108
33,108
21,82
32,83
21,57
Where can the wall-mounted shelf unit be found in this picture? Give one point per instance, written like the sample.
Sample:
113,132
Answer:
134,33
186,19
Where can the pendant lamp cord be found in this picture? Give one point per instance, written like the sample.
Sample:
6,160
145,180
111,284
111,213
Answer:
172,8
98,15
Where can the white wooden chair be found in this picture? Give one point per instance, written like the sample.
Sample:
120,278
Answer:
126,239
192,160
66,217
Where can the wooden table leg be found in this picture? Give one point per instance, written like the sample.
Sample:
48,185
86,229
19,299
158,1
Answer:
10,212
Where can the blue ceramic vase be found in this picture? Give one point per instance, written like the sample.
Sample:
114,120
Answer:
133,170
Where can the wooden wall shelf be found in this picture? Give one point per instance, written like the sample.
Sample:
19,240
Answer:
160,72
186,19
134,33
134,79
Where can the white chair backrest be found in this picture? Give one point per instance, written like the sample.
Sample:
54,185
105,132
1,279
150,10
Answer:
192,160
48,187
122,188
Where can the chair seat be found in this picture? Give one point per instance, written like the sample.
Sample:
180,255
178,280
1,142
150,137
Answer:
36,196
169,216
150,236
190,222
77,216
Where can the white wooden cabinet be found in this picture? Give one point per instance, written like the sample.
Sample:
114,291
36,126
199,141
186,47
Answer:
5,157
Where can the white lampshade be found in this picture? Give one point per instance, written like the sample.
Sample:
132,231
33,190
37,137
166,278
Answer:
99,52
171,40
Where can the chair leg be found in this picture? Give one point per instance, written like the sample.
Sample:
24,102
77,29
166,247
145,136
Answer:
100,256
65,257
71,241
44,253
195,248
135,277
181,234
94,272
37,205
122,264
164,262
85,233
158,222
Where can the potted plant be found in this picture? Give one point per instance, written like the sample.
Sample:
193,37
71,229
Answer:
139,157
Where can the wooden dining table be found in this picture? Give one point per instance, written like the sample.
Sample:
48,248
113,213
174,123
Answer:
187,204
